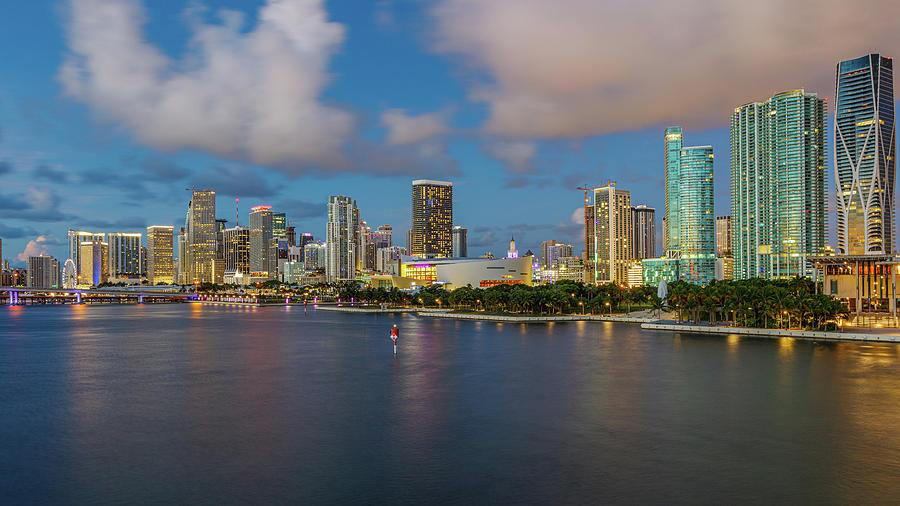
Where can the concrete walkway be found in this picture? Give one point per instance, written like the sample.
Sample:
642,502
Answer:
534,319
775,333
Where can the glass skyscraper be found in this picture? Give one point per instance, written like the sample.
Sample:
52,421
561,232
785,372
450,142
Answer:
672,230
697,221
263,246
778,185
864,155
201,237
341,238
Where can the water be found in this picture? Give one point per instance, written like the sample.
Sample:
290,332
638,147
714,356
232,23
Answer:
210,404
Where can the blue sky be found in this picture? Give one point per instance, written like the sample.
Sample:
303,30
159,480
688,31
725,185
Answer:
110,109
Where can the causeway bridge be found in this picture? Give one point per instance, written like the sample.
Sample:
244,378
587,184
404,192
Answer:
21,295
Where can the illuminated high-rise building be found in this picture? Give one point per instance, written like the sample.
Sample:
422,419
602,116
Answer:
160,255
723,235
279,226
76,237
672,228
124,250
263,243
201,236
643,225
865,155
697,220
42,272
92,257
432,219
512,252
342,239
610,243
778,185
383,236
237,254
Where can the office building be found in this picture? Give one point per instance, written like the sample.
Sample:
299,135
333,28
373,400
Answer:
432,219
643,226
551,250
181,270
201,237
388,259
291,235
76,237
459,242
341,240
124,250
43,272
160,255
610,244
777,186
383,237
263,245
865,155
279,226
723,232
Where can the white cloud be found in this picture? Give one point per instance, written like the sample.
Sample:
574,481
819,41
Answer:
35,247
573,68
406,129
577,216
250,95
516,154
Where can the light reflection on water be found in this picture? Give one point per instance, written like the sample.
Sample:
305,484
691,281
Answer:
209,403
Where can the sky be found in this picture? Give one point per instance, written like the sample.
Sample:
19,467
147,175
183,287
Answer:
110,109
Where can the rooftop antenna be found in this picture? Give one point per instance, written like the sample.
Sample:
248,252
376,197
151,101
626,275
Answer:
236,214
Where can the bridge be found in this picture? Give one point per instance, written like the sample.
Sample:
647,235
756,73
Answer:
21,295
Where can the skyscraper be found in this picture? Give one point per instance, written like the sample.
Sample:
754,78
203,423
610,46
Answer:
778,185
42,272
459,240
160,255
383,237
612,235
552,250
512,252
643,223
237,254
92,257
279,226
723,232
124,250
263,246
672,228
76,237
432,218
697,221
201,236
865,155
341,238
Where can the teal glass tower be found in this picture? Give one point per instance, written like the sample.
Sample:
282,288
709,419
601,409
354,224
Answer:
697,227
864,155
672,229
778,185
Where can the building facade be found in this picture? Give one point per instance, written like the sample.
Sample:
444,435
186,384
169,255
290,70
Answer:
76,237
237,254
460,246
723,234
93,270
341,238
43,272
201,237
432,219
610,244
125,260
160,255
643,226
672,223
865,155
263,245
697,220
778,185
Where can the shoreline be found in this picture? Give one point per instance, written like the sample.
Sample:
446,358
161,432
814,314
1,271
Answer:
810,335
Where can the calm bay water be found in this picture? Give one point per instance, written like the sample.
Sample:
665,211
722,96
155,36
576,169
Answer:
209,404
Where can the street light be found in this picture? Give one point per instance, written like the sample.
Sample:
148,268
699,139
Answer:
609,308
580,303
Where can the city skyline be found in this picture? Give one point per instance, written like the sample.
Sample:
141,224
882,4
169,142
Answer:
95,160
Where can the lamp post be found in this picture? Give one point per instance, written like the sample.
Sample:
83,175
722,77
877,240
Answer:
580,303
609,308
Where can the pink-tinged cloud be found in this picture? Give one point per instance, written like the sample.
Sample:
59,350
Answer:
573,68
35,247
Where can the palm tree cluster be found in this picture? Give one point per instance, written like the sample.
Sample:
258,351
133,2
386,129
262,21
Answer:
758,303
557,298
